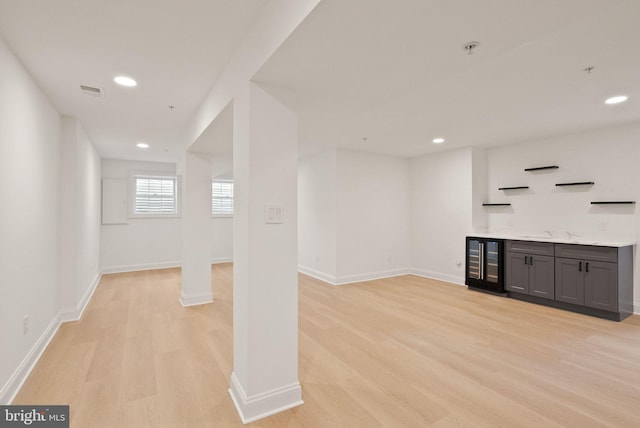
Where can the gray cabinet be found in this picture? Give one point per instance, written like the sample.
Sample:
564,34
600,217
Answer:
599,278
593,280
601,286
569,281
541,272
530,268
587,276
517,273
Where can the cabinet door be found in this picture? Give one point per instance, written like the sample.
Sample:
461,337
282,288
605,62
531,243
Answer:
601,285
570,280
517,273
541,276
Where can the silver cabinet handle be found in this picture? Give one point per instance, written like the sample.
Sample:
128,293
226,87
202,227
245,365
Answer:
482,260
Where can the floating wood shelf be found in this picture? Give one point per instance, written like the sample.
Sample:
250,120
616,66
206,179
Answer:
540,168
513,188
613,203
496,205
577,183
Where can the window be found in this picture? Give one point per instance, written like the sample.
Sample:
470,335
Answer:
155,195
222,198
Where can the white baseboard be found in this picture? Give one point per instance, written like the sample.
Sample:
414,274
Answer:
218,260
636,308
348,279
187,300
162,265
264,404
458,280
74,314
317,274
147,266
13,385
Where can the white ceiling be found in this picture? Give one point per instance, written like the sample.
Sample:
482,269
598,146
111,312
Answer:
391,71
174,49
395,71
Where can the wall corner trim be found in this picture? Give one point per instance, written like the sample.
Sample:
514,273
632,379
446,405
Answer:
196,299
20,375
265,404
325,277
74,314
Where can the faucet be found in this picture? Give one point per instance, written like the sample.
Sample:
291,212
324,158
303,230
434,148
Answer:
572,235
549,233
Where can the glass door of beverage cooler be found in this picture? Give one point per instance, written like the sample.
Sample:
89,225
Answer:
492,262
474,259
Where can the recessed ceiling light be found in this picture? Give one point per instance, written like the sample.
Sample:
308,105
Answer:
142,145
438,140
125,81
617,99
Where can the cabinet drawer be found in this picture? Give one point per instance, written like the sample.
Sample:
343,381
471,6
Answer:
587,252
531,247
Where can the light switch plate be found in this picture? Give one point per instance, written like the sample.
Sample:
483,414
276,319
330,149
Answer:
273,214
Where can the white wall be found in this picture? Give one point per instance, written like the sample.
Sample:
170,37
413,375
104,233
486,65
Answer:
609,157
221,239
317,215
155,242
29,168
479,188
354,216
141,243
222,227
88,226
373,216
441,213
79,227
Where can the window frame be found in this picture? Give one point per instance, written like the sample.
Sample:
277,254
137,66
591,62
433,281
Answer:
222,215
154,175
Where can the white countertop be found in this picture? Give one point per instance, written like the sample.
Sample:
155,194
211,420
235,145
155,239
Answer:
557,240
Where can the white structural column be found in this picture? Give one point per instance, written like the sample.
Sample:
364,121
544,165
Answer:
196,230
265,279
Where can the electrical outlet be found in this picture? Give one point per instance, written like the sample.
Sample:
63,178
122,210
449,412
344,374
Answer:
25,325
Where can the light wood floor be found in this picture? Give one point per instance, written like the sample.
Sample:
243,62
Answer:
401,352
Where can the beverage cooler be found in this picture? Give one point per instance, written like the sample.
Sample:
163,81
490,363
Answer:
485,264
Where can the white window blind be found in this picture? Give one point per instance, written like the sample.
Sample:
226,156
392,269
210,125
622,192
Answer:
156,195
222,198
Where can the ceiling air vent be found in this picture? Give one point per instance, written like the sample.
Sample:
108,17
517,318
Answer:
90,90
